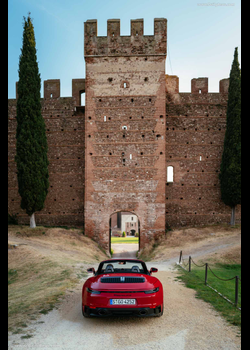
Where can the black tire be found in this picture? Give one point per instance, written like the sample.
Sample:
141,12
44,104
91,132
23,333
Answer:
85,314
160,313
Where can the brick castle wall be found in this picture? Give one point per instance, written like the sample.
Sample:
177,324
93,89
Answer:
64,204
195,131
112,155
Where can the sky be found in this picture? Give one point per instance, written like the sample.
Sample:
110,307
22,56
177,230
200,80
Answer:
201,36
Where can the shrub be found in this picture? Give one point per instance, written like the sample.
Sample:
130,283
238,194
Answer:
12,219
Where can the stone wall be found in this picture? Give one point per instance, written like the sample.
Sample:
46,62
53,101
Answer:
112,155
65,129
195,131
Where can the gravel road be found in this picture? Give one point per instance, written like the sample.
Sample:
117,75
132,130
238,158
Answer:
187,323
125,250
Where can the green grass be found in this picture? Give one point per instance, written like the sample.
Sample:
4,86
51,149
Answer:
12,276
124,240
27,336
196,280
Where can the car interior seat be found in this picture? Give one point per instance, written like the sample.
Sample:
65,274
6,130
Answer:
135,269
109,268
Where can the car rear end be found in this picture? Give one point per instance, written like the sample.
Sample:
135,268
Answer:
139,295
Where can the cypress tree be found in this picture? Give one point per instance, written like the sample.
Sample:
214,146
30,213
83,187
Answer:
230,171
31,141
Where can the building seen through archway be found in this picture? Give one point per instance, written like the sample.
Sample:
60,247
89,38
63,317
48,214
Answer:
125,232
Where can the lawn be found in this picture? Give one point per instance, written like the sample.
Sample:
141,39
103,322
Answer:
196,278
123,240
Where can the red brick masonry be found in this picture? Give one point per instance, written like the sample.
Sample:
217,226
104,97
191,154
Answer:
112,155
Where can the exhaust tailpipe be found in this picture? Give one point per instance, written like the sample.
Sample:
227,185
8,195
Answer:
143,312
103,312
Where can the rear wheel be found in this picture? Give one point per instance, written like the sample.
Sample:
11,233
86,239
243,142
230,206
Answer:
85,314
160,313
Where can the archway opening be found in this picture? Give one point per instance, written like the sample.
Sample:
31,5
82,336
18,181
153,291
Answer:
124,234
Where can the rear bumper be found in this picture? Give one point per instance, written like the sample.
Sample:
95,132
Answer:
140,312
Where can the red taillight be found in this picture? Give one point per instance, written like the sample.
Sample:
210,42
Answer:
152,291
93,291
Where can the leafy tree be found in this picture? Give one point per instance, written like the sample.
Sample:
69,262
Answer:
31,141
230,171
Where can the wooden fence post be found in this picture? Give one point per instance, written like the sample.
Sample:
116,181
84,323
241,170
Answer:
180,256
236,290
206,274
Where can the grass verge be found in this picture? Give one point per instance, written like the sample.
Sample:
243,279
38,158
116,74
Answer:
34,287
123,240
196,280
42,264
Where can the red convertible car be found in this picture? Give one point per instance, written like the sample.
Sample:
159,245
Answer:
122,286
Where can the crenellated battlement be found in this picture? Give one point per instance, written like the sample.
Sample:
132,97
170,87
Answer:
116,45
198,86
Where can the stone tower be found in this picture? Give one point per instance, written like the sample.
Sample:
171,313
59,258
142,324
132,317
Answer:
125,123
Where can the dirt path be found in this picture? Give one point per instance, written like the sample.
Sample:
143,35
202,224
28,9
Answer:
187,322
125,250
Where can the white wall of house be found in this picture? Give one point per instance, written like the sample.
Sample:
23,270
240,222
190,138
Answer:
129,222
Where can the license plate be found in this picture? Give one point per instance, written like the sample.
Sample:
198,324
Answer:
122,302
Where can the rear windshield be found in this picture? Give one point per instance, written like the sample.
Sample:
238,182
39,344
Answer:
121,266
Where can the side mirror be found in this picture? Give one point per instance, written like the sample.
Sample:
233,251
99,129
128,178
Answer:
91,270
153,269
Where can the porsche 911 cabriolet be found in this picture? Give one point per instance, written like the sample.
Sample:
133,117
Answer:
122,286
